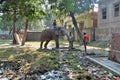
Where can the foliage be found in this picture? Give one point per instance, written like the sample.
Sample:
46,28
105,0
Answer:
25,8
19,11
31,9
78,6
84,5
6,25
69,5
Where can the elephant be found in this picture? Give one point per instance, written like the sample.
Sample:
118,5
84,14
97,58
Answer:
52,34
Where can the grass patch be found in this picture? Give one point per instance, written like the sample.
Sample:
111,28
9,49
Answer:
5,41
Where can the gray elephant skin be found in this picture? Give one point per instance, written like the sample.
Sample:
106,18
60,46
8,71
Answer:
51,34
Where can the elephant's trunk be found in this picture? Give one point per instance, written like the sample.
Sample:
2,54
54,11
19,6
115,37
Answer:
67,35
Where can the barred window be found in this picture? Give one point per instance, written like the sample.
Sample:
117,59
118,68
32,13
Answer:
116,10
104,13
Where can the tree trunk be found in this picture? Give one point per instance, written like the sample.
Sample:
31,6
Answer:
14,29
25,33
93,33
76,26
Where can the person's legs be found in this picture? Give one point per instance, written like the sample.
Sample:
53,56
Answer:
70,44
85,48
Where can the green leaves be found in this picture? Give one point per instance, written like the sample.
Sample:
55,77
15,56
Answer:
20,10
64,6
83,5
30,9
69,5
78,6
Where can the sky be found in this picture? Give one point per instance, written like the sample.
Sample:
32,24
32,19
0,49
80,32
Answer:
96,7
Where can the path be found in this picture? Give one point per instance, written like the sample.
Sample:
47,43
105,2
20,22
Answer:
108,64
102,58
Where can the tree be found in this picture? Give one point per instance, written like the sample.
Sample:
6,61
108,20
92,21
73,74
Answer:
9,8
73,7
30,10
26,10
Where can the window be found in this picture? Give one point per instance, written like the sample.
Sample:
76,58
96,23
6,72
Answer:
81,23
104,13
116,10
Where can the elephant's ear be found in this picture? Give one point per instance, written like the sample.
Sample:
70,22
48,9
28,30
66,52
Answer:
56,32
59,28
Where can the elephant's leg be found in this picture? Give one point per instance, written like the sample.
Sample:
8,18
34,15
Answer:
45,46
57,43
41,44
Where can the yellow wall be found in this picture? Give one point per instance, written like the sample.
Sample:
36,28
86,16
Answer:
87,18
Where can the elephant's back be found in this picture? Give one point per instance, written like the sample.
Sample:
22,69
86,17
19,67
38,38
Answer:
47,34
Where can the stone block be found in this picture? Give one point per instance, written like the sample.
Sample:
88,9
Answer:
114,54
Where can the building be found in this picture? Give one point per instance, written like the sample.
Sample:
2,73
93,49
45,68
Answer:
86,23
108,19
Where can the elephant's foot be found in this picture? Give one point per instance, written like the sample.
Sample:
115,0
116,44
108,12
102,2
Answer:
45,48
54,48
57,47
40,48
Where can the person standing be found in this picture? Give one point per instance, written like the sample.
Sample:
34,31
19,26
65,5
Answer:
71,39
85,41
54,24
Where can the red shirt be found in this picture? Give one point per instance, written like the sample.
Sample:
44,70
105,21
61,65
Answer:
86,38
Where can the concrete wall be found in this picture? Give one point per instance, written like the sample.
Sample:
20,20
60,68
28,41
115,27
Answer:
109,25
33,36
114,54
105,34
5,36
